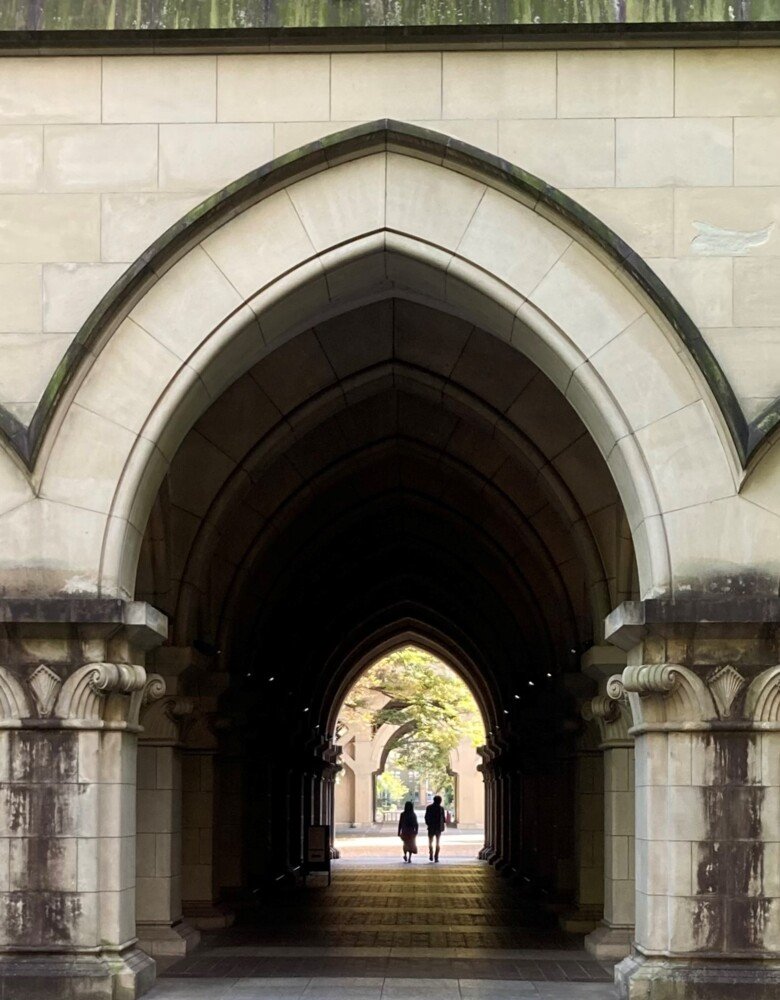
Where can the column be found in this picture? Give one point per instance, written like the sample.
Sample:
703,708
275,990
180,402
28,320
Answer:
589,846
611,940
703,686
469,787
162,931
72,685
200,892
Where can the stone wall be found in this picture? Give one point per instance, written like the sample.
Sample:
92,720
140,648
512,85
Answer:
677,150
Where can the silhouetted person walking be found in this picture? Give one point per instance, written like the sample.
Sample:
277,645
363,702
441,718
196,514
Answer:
435,821
407,831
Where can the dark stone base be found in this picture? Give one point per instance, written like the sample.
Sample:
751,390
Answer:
124,976
641,978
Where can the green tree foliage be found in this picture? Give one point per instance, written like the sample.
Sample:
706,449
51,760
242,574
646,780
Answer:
429,700
391,790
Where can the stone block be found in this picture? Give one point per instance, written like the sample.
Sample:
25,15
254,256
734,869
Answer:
87,479
679,747
292,135
71,292
27,361
48,228
154,811
129,376
565,153
20,298
196,882
520,252
261,243
638,365
402,85
153,899
756,292
616,858
159,89
643,217
163,854
583,298
517,84
703,286
178,321
757,151
38,864
21,158
129,223
652,152
274,88
616,84
46,89
100,157
424,201
678,447
117,916
145,855
207,157
727,82
343,202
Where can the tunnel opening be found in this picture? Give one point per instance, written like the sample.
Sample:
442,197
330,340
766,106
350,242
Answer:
408,729
391,474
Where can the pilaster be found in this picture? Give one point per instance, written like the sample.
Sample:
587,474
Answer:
73,683
611,940
162,931
703,686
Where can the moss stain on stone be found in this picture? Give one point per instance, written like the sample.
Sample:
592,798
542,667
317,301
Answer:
80,15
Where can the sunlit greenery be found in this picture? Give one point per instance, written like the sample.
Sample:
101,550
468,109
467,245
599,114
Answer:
429,700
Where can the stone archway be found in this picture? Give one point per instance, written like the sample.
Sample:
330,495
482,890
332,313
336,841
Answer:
261,285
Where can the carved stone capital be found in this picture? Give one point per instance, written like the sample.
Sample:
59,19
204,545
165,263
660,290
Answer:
612,716
666,694
161,720
96,695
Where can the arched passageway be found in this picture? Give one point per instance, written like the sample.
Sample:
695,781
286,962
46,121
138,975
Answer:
385,392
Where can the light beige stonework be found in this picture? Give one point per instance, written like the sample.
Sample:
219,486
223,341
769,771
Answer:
274,88
166,89
498,85
47,90
614,84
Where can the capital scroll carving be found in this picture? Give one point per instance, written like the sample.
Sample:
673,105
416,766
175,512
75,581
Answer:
669,693
762,699
612,716
161,719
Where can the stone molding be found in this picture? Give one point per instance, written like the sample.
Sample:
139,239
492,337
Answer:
613,718
668,696
378,136
94,696
715,616
161,719
240,22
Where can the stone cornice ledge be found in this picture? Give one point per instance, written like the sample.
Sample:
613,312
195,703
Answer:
282,21
143,624
633,621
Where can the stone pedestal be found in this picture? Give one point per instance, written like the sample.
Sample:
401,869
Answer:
72,686
704,694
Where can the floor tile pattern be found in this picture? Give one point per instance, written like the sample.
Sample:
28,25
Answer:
383,931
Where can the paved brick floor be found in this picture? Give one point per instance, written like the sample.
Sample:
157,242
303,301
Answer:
388,931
